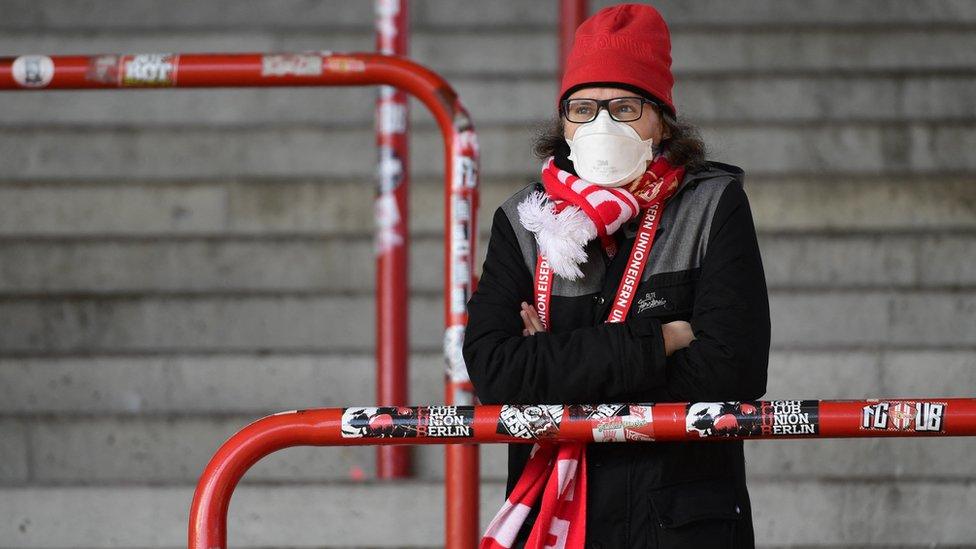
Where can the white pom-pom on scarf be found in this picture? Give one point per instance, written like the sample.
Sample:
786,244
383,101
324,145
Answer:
561,237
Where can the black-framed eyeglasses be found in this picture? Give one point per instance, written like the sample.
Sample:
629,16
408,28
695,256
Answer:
621,109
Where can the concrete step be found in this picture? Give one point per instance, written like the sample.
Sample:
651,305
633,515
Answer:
836,514
335,14
260,516
100,450
253,385
517,50
877,260
242,384
312,208
338,264
270,207
132,153
845,203
298,322
705,99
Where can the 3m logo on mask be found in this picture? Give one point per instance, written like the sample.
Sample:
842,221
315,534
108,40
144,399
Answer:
609,153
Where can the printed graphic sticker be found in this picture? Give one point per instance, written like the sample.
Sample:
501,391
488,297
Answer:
790,417
379,422
149,69
103,69
391,111
758,418
402,422
294,64
389,225
634,422
723,419
904,415
33,71
338,63
453,345
530,421
595,411
445,421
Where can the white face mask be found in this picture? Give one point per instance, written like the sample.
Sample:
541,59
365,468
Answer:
609,153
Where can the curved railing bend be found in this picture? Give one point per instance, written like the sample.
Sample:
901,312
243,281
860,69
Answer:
324,68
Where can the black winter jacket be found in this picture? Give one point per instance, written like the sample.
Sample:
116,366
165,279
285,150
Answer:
704,268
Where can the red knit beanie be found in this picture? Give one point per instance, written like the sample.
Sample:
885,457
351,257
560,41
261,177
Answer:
627,44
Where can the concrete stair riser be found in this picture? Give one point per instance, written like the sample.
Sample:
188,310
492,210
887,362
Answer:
337,14
254,385
412,515
316,322
196,153
703,99
337,263
519,50
305,207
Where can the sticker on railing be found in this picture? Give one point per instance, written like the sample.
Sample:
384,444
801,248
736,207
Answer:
103,69
530,421
33,71
904,415
616,422
291,64
338,63
386,210
759,418
407,422
149,69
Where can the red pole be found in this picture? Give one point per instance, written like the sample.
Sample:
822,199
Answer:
571,14
461,463
460,460
392,236
38,72
717,421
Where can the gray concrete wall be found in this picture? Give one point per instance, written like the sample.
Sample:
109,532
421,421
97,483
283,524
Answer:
176,263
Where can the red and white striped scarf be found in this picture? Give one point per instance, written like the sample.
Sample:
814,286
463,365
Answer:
572,211
557,472
562,517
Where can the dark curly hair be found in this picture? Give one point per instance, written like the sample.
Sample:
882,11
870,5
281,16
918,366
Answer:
684,147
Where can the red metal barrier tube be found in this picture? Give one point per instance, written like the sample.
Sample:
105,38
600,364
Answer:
193,70
572,13
461,493
368,425
392,246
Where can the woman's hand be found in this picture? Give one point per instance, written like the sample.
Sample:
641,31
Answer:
677,335
531,320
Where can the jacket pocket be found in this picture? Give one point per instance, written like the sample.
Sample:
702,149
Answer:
701,514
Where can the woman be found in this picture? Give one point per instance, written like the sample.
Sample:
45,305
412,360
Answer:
630,273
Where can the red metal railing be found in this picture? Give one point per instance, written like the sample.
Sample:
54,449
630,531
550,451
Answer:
776,419
392,245
572,13
194,70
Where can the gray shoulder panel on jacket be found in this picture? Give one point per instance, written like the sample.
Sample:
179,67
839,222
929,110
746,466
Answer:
686,224
525,239
593,269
